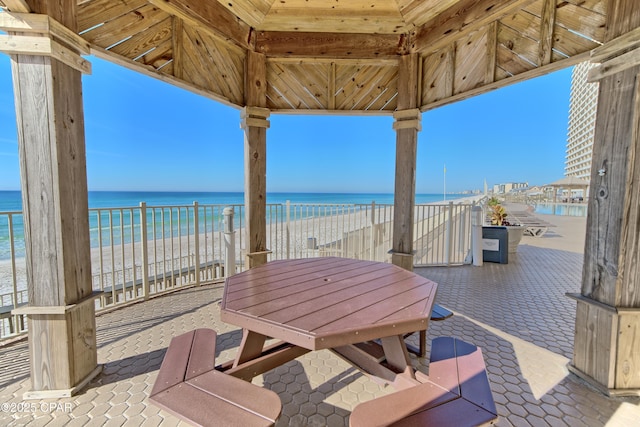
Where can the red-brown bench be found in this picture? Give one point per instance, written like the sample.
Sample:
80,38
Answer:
457,393
438,313
189,386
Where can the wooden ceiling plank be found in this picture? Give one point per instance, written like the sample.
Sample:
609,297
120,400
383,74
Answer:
502,82
421,11
461,19
194,60
279,79
375,89
206,55
358,86
512,62
439,71
230,75
146,40
298,44
547,24
470,53
368,16
295,80
18,6
158,57
251,12
525,23
570,43
317,77
160,75
582,21
597,6
125,26
210,17
98,12
523,47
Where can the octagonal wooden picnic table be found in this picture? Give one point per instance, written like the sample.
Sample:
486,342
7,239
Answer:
359,309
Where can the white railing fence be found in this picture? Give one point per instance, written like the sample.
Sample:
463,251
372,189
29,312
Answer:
144,251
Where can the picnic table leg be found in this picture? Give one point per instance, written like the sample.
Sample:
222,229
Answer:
250,347
395,351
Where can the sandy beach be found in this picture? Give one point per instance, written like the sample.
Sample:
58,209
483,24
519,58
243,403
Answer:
348,233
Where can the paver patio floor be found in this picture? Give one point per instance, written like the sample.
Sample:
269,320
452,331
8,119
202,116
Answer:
517,313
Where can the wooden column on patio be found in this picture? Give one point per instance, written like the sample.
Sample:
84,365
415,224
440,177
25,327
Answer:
407,125
607,333
255,124
46,66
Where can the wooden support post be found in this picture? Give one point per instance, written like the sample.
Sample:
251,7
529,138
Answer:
407,125
255,124
51,145
607,333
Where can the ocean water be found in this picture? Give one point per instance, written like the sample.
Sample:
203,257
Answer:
164,205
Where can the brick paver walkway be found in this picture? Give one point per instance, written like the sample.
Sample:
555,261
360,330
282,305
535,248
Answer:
517,313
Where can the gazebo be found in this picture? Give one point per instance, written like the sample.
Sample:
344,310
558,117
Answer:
393,57
568,183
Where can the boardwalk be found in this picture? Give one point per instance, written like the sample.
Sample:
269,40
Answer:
516,312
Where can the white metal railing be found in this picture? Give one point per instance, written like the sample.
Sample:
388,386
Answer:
143,251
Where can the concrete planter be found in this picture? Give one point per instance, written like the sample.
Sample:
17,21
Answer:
515,233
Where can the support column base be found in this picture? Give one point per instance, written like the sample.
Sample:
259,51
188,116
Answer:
612,392
402,260
605,346
59,394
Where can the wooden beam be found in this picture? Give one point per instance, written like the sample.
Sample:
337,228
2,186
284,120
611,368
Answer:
616,55
176,48
492,53
20,6
608,314
459,20
255,159
406,155
337,45
51,149
210,17
547,23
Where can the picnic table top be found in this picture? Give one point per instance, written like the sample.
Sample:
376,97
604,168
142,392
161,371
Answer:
319,303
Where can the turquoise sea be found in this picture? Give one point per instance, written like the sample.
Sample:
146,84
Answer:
10,201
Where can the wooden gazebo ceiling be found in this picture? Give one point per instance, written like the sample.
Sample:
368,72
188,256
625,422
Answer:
343,54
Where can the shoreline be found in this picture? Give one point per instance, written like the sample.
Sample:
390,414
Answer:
161,252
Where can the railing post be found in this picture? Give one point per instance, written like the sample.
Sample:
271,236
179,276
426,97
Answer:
287,229
145,253
229,243
372,238
476,234
449,231
196,240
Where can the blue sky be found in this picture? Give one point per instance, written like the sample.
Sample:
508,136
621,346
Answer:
142,134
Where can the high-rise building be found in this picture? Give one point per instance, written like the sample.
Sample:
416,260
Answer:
582,120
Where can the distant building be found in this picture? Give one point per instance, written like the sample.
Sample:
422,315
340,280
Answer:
582,120
509,187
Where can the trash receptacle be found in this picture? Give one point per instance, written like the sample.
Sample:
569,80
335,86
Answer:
495,244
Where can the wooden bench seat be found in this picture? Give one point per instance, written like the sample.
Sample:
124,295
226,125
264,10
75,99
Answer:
438,313
5,313
189,386
457,393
